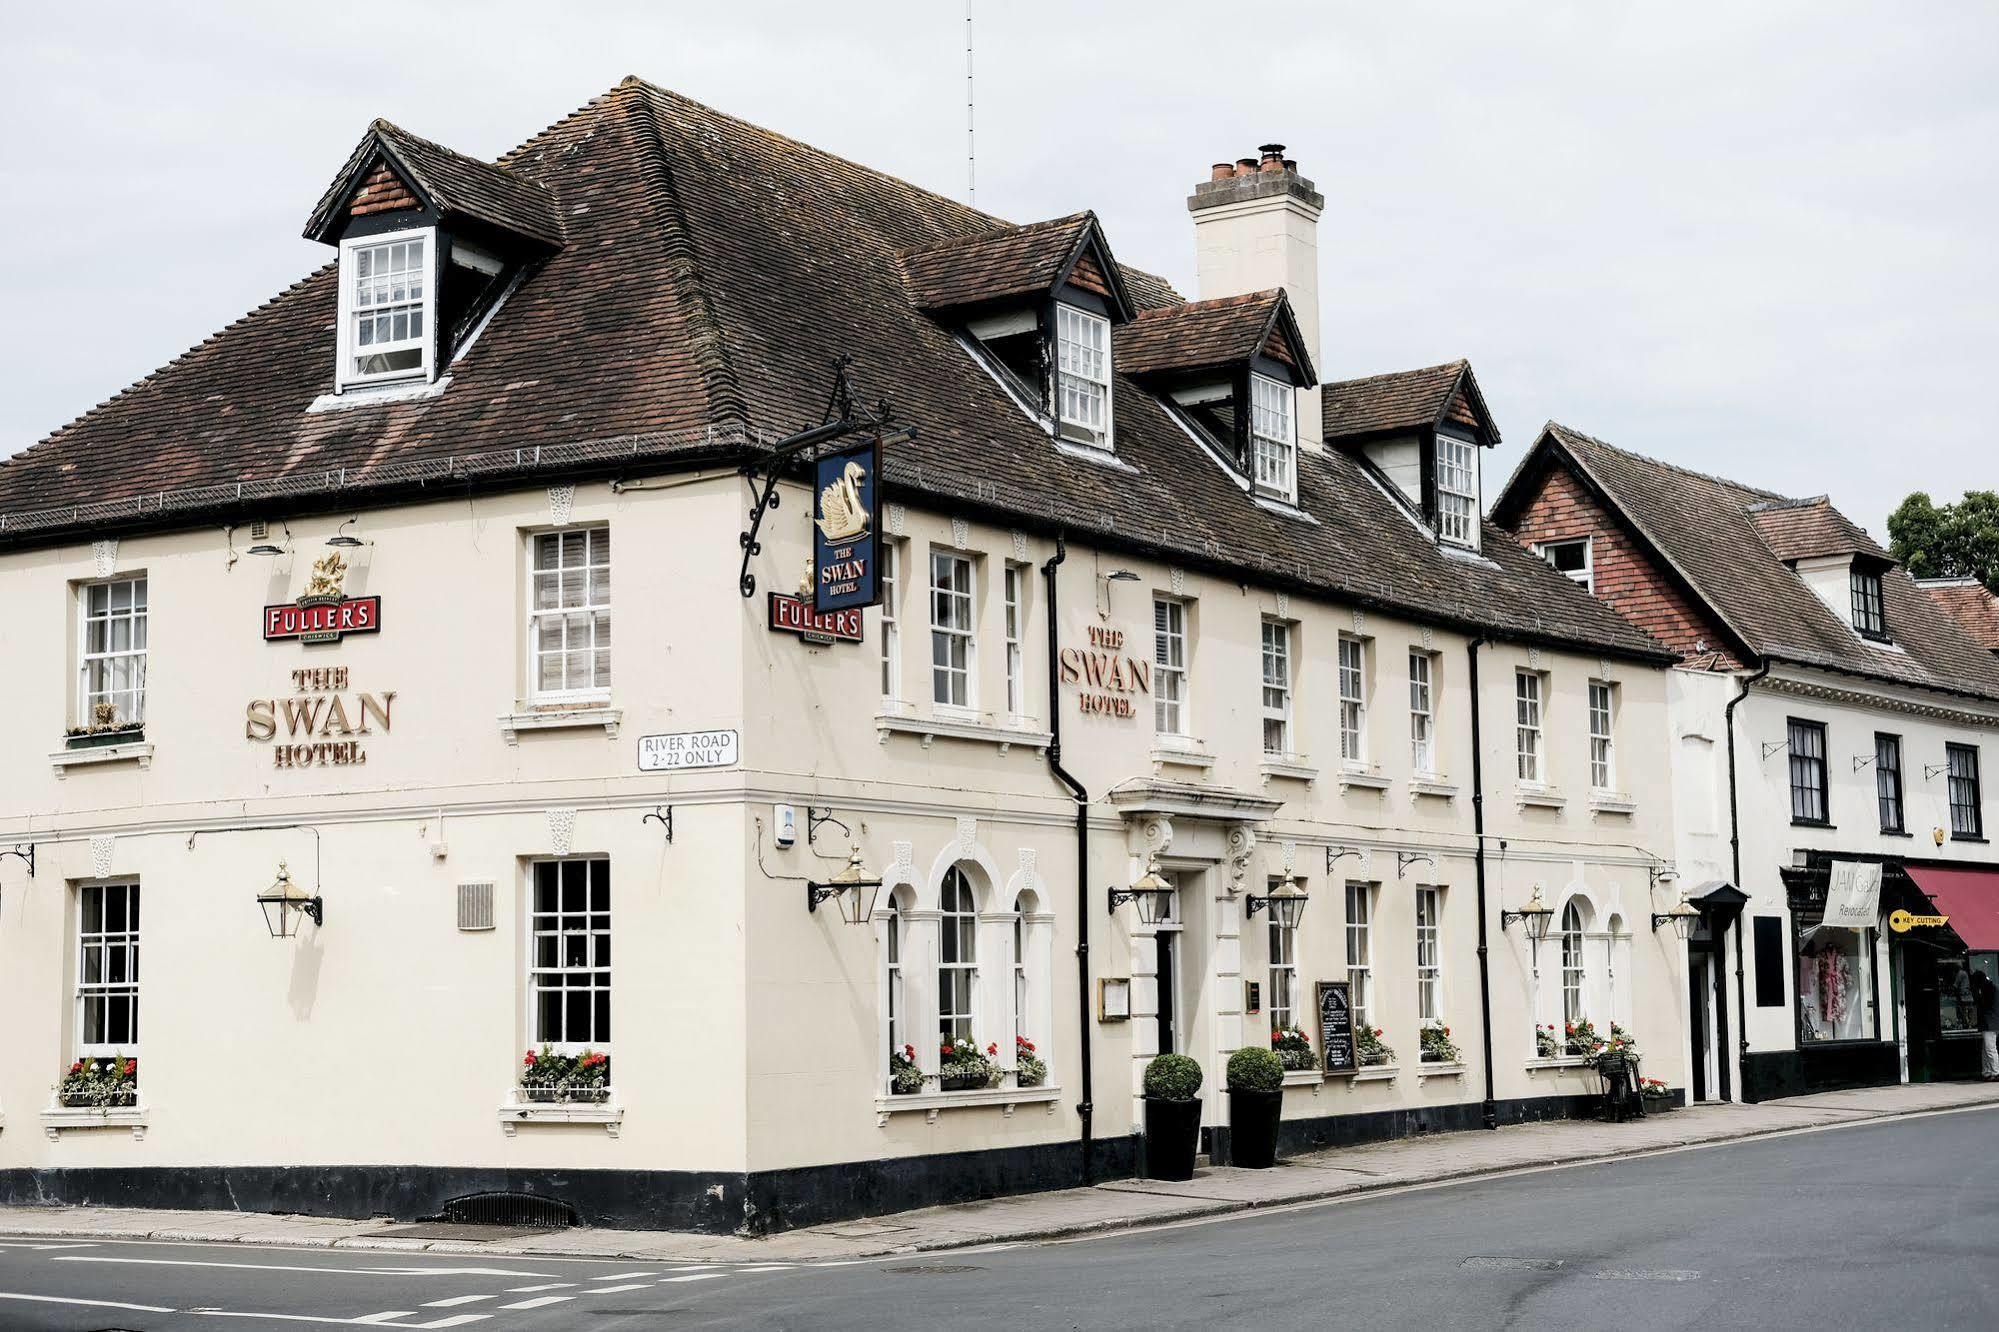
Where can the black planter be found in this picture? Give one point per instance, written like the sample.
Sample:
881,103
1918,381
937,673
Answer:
1172,1136
99,739
1254,1117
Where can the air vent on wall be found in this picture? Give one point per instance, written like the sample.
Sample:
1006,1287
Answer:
475,906
259,530
510,1209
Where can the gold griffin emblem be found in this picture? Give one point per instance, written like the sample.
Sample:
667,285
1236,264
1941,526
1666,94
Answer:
842,516
329,575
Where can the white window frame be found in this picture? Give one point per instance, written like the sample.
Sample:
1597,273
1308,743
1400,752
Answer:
1429,954
1170,668
1020,991
1014,616
1530,690
1602,735
891,626
1457,461
949,1019
1083,357
123,943
345,376
1584,577
1422,712
898,1010
599,612
963,634
556,924
138,617
1575,964
1277,675
1283,978
1360,951
1353,700
1273,437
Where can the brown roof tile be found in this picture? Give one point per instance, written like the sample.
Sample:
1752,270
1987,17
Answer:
1403,400
452,183
1971,604
1001,263
1203,335
1805,529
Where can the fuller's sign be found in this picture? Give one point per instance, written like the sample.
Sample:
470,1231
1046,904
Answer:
846,520
794,615
323,621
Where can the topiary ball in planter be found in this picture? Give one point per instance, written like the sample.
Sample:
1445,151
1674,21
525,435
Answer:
1256,1107
1172,1116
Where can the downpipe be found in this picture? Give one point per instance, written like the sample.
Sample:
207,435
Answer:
1489,1109
1085,1110
1735,864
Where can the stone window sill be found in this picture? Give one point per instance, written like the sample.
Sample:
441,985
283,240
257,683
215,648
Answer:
1367,777
1185,754
1303,1077
60,1118
1541,797
1433,786
1289,766
1612,802
1006,1098
134,751
1559,1062
564,718
1439,1071
608,1115
1369,1073
928,729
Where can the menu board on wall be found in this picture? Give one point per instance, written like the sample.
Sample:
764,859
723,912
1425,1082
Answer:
1336,1047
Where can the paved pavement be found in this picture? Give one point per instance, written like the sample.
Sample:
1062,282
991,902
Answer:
1888,1221
1119,1205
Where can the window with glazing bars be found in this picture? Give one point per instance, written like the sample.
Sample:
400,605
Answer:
1276,687
1016,685
1353,701
957,956
1527,725
1967,814
1888,781
1169,666
1283,971
897,1038
112,689
1083,352
1360,968
1868,617
1422,715
1808,774
569,976
891,558
1602,743
569,631
107,969
951,623
1273,438
1429,959
1457,491
1572,965
387,308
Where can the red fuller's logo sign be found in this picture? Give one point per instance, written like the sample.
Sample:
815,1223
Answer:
323,621
794,615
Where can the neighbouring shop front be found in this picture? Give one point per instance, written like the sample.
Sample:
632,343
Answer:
1945,928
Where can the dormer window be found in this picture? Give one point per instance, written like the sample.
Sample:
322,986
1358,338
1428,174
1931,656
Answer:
1457,491
1868,619
1572,559
1083,361
1273,436
387,287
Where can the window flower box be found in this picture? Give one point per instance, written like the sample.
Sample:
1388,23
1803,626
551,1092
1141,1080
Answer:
100,1084
1370,1050
549,1078
98,737
1293,1050
1029,1069
1436,1044
965,1068
904,1077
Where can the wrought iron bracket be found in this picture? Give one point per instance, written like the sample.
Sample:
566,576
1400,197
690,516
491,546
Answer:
1772,746
1930,770
663,816
27,857
842,418
1335,854
815,818
815,893
1404,859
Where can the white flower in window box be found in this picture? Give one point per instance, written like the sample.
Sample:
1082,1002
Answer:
580,1078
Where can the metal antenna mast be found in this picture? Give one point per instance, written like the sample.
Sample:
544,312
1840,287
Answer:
971,144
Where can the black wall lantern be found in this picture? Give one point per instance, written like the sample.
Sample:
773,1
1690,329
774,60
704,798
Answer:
1681,918
854,886
1152,892
284,902
1537,913
1286,903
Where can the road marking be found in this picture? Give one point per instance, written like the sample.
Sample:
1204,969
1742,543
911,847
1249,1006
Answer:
536,1304
698,1276
329,1271
768,1267
371,1320
625,1276
95,1304
40,1247
553,1285
612,1290
457,1300
1647,1274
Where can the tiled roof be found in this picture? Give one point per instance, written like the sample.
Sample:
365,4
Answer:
713,273
1712,531
996,264
1971,604
1404,400
1805,529
453,183
1204,335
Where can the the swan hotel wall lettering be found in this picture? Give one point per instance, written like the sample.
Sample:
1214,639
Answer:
320,724
1108,678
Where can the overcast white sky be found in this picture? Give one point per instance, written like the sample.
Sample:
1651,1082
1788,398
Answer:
1753,239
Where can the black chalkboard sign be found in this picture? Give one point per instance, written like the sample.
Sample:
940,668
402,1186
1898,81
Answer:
1336,1047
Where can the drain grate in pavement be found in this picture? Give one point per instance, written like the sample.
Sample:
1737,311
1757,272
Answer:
445,1230
934,1269
1495,1263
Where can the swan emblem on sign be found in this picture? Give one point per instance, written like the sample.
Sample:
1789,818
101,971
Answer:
842,516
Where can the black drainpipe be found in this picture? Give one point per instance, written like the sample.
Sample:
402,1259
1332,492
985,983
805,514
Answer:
1084,1109
1490,1110
1735,861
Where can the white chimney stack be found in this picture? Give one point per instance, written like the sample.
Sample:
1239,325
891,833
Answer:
1256,226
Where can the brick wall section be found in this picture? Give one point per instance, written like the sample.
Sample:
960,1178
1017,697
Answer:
382,192
1626,578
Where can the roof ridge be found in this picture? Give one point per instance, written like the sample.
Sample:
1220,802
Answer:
1661,462
1461,362
379,124
1005,231
1211,303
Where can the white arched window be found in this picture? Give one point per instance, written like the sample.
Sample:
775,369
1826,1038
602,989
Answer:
898,1011
1019,968
957,955
1572,964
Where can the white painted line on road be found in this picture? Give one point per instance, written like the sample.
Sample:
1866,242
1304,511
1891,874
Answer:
624,1276
95,1304
538,1303
698,1276
1647,1274
553,1285
768,1267
327,1271
371,1320
456,1300
612,1290
45,1247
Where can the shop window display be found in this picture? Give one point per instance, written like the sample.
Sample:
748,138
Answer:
1835,982
1957,994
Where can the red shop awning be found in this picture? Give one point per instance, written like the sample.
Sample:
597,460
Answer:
1970,897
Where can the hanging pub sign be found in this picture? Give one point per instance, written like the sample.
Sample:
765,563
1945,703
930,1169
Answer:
323,613
846,521
1336,1041
794,615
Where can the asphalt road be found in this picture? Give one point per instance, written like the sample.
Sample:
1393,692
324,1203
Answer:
1892,1223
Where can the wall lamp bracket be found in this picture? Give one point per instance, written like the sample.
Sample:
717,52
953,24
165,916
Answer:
27,857
817,818
1772,746
1930,770
1404,859
1335,854
663,816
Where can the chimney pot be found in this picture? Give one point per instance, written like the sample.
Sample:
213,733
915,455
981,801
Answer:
1245,166
1221,171
1271,164
1291,165
1271,150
